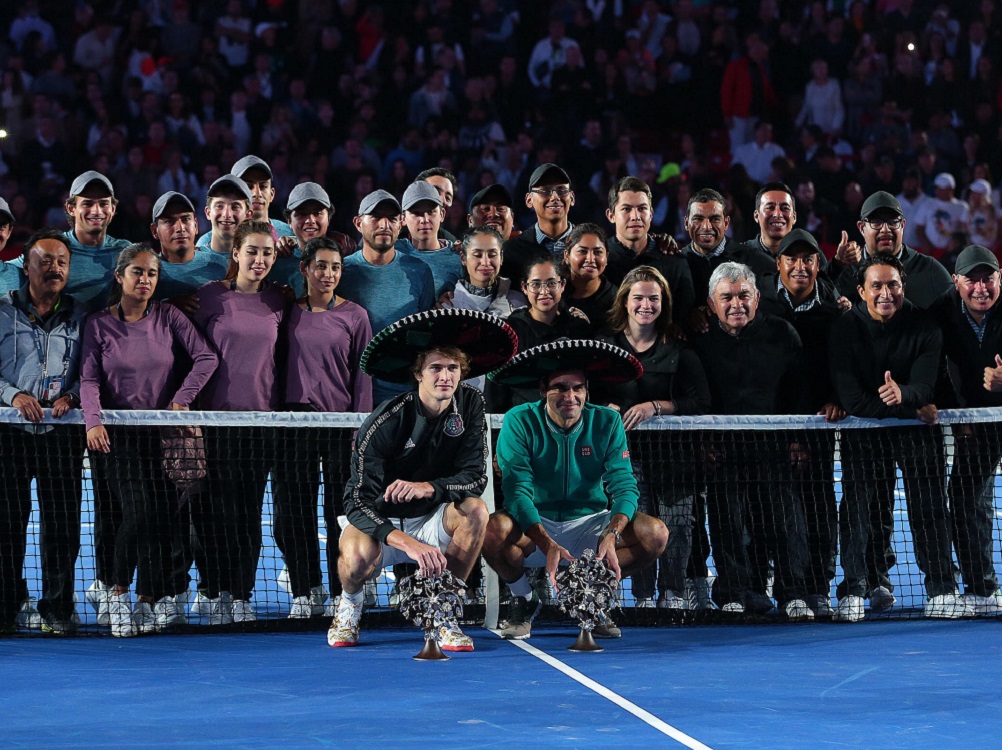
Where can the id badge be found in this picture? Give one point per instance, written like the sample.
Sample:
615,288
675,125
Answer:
53,389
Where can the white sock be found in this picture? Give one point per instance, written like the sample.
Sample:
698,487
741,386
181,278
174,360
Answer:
357,598
521,587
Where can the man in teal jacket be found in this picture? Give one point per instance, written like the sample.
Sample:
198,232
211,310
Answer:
567,478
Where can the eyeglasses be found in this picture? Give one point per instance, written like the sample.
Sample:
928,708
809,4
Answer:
535,286
560,192
891,224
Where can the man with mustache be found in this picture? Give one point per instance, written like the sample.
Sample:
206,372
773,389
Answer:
754,365
388,284
492,207
40,332
972,341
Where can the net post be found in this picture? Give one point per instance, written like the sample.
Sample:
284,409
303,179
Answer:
491,582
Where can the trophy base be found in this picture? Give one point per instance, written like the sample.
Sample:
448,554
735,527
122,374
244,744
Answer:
585,642
431,652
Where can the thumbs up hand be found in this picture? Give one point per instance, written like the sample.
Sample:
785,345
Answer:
890,391
993,376
849,252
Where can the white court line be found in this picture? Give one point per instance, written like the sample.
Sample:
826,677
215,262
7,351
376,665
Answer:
645,716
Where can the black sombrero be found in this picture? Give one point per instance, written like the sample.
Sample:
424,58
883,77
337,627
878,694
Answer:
487,340
602,363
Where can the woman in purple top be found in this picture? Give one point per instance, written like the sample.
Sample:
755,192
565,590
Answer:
325,335
129,362
241,315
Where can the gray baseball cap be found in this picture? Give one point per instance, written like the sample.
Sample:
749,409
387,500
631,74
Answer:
307,191
82,181
973,256
880,200
171,196
373,199
420,191
5,209
250,162
230,184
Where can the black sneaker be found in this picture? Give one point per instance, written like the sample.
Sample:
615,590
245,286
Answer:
521,613
55,626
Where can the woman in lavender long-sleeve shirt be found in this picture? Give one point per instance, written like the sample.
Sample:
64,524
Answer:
241,315
129,362
325,336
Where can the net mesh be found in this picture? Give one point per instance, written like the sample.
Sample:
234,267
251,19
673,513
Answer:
761,511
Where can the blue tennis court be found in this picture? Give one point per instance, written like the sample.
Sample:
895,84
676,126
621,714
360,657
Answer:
880,684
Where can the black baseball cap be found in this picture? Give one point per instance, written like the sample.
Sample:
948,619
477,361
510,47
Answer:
881,200
549,173
792,242
496,194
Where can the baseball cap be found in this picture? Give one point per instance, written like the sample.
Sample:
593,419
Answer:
307,191
420,191
373,199
549,173
249,162
944,181
981,187
880,200
973,256
5,209
82,181
171,196
791,242
230,184
496,194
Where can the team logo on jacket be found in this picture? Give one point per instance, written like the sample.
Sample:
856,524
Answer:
626,454
585,450
453,425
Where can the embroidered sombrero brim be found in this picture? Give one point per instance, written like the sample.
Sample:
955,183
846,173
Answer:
602,363
487,340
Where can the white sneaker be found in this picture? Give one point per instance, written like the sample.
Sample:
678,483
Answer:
985,605
645,602
797,611
343,631
243,611
947,607
318,595
97,594
850,609
451,638
736,607
301,608
668,599
27,615
120,615
181,606
881,598
165,613
143,617
218,611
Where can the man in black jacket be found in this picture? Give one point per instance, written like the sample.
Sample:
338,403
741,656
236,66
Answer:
419,463
797,294
884,363
753,364
972,340
551,197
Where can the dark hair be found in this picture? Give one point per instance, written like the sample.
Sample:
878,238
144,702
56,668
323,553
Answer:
706,195
579,231
46,234
628,185
245,230
540,260
316,245
446,351
618,318
481,231
880,259
439,172
775,187
124,260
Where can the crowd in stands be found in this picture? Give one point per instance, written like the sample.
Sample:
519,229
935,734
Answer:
775,184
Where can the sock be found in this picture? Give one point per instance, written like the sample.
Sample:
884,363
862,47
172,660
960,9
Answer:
521,587
357,598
